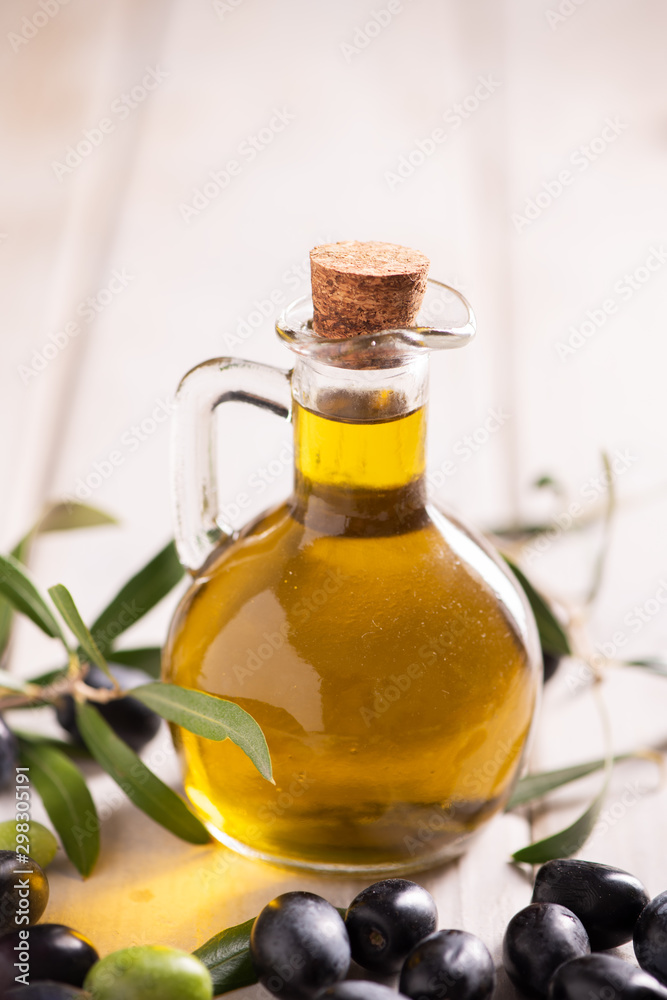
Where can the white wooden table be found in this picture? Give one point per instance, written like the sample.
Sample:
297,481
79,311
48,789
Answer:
566,112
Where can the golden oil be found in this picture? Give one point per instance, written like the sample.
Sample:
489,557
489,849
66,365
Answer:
380,646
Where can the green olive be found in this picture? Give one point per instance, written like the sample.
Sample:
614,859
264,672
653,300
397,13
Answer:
39,842
150,972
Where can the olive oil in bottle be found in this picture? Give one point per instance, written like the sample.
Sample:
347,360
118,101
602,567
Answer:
383,648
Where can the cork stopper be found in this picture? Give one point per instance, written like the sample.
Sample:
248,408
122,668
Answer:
365,287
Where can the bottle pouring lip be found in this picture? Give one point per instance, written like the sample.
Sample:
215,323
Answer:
438,327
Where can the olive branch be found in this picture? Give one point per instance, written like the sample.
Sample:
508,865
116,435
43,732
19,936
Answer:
56,777
60,782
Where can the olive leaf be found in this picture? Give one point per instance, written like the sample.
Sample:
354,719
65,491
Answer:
548,481
49,676
138,782
652,664
227,958
210,717
520,531
69,804
64,602
10,683
609,511
75,750
58,517
6,609
553,637
141,593
567,842
5,625
535,786
69,516
146,658
21,592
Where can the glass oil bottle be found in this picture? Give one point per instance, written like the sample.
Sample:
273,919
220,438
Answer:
384,648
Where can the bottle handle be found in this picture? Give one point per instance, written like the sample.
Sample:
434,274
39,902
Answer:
199,526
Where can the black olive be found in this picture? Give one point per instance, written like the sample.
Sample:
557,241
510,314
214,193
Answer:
650,938
551,663
538,939
385,922
129,718
299,945
452,964
607,900
596,977
51,951
24,891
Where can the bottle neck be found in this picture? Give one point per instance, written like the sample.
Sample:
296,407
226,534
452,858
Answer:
359,446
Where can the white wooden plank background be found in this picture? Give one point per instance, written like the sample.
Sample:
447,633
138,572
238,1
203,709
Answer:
226,67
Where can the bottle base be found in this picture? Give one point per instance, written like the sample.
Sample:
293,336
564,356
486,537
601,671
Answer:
402,866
